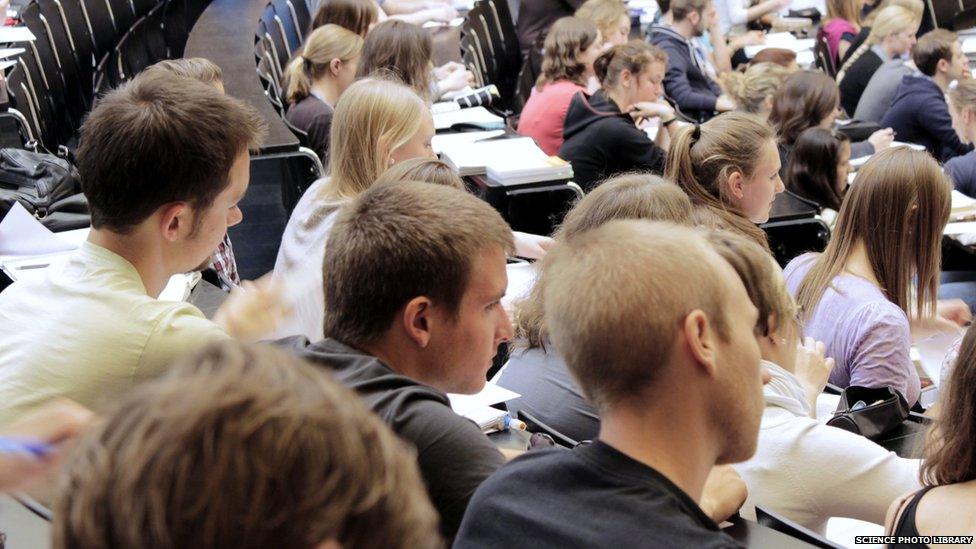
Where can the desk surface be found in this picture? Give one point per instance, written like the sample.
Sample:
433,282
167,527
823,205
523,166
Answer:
224,33
756,536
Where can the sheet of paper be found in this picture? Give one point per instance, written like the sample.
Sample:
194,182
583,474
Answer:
10,52
491,394
969,45
15,34
22,234
446,140
959,228
179,287
932,352
521,279
474,115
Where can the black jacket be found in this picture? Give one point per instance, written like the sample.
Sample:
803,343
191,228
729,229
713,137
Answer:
684,82
601,141
919,114
856,78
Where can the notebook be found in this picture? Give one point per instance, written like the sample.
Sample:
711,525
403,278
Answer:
478,116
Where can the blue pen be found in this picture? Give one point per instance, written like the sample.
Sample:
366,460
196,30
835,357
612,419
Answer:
19,446
512,423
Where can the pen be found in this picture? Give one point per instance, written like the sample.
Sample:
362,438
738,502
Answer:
19,446
512,423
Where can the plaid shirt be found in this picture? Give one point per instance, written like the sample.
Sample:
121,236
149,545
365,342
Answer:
225,264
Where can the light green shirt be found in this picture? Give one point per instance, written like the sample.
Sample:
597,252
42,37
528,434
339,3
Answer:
89,333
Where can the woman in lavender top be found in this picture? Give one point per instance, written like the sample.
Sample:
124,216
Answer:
879,274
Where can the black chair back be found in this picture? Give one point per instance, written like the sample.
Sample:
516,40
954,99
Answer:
786,526
101,26
822,57
789,239
122,15
141,8
72,42
285,13
23,104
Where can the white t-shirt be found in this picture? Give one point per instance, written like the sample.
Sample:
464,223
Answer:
89,332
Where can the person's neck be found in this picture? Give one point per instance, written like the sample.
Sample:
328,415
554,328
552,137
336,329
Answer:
397,351
858,264
667,440
889,51
138,251
942,80
327,90
619,98
684,28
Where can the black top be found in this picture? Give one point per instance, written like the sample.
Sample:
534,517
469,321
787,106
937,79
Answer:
905,526
536,16
454,456
314,117
856,78
592,496
855,43
601,141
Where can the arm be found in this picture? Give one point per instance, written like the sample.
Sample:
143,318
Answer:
56,424
678,87
721,53
881,356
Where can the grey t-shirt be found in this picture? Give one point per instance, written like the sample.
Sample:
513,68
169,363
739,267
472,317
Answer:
454,456
877,95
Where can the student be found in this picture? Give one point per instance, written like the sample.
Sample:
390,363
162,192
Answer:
686,81
678,387
892,37
601,137
428,170
729,166
877,95
414,274
535,370
753,89
377,124
962,108
918,111
56,425
242,446
222,261
736,13
535,18
571,47
818,169
915,6
611,17
811,99
357,16
803,469
780,56
163,163
404,49
841,27
880,268
945,504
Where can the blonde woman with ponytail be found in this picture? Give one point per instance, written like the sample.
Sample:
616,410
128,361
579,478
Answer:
316,77
891,37
729,166
377,124
753,89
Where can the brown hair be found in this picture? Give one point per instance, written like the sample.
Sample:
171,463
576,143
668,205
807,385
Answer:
762,278
634,56
950,449
848,10
963,95
750,89
567,39
354,15
615,298
701,166
781,56
426,170
681,9
159,139
242,446
326,43
932,47
898,207
197,68
402,49
804,101
811,171
398,241
625,196
605,14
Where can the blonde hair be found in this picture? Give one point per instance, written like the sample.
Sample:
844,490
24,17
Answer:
847,10
326,43
897,207
605,14
196,68
963,95
372,111
626,196
427,170
917,7
890,20
750,89
242,446
702,164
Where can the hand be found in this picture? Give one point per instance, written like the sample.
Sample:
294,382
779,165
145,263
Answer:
751,38
531,246
652,109
253,310
811,368
55,424
955,311
783,4
723,494
456,80
882,139
446,69
724,103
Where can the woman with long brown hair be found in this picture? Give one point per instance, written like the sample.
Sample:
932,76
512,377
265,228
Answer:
879,270
729,166
947,504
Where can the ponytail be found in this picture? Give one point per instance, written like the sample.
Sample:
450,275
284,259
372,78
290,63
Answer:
702,158
298,80
326,43
634,56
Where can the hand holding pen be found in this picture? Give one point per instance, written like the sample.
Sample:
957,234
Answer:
33,445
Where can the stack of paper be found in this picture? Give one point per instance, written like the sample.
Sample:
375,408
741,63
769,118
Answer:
444,141
477,116
478,407
471,157
782,40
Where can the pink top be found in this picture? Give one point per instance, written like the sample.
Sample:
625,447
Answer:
833,31
544,113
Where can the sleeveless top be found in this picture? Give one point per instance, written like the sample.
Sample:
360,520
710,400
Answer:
905,521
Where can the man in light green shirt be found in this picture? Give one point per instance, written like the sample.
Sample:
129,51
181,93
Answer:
163,162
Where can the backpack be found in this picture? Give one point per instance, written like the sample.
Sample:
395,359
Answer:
46,185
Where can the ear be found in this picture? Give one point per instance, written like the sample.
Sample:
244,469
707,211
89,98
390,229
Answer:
943,65
702,340
626,77
416,319
335,67
175,220
736,184
772,328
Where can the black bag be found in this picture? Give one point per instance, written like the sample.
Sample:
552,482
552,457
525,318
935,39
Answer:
870,412
858,130
46,185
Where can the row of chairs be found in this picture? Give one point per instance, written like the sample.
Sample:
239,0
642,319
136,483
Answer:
490,50
83,47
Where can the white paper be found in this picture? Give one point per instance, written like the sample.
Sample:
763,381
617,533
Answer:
491,394
456,22
10,52
782,40
22,234
179,286
932,352
969,45
16,34
960,227
521,279
474,115
443,141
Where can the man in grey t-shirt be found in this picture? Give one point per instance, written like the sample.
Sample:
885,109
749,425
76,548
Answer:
880,90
